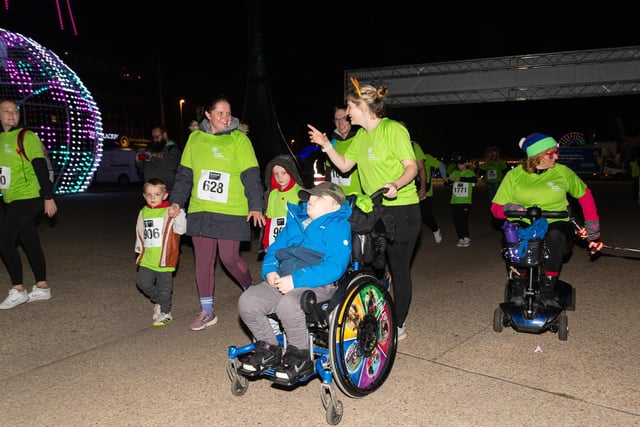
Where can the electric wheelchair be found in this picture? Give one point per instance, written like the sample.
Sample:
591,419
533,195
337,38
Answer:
352,337
525,263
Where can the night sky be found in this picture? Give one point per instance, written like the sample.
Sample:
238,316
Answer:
202,48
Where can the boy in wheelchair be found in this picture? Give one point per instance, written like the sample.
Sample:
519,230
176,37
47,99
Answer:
312,252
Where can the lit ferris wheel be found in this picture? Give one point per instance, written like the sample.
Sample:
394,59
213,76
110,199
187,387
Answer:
54,104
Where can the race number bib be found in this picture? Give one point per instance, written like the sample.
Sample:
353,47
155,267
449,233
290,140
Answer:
213,186
5,177
492,174
153,232
277,224
340,180
461,189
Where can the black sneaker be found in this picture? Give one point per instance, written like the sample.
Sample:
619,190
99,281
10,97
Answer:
296,364
264,356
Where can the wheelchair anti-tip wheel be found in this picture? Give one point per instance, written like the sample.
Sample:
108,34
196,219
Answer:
239,384
363,337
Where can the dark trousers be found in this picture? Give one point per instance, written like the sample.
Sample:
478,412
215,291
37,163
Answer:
157,286
18,227
560,243
399,253
426,209
460,214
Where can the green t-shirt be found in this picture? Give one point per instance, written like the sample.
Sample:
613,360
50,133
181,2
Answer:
379,154
349,182
547,190
494,170
635,168
461,192
217,161
18,180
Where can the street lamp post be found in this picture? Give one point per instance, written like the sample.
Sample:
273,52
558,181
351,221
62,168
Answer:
182,101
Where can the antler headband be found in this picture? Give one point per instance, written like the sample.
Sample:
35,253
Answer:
356,85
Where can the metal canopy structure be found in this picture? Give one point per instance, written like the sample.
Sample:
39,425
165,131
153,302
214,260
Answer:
571,74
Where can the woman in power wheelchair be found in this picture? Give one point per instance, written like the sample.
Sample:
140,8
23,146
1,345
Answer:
338,320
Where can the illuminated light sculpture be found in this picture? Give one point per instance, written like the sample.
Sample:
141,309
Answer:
572,139
54,104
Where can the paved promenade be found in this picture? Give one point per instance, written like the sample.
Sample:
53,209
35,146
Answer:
90,357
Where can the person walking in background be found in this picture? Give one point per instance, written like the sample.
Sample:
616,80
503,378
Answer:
426,164
340,139
163,158
462,181
158,249
493,169
635,176
220,177
382,150
312,252
27,192
543,182
284,181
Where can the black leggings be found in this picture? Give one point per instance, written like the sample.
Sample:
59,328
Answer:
19,227
400,252
560,237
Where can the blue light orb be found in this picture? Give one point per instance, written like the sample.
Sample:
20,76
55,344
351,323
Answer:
56,106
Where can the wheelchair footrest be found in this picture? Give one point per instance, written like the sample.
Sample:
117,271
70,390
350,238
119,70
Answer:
249,374
293,381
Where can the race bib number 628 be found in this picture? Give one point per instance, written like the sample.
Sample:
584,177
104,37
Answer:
213,186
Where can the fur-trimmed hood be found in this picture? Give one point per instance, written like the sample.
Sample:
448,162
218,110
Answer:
289,164
205,126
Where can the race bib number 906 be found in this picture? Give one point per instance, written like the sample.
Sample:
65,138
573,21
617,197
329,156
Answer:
153,232
213,186
277,224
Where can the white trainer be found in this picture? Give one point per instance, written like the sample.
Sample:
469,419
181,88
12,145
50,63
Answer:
39,294
402,334
460,243
14,299
163,319
466,242
437,236
157,311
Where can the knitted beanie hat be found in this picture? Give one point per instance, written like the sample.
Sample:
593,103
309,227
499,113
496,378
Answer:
537,143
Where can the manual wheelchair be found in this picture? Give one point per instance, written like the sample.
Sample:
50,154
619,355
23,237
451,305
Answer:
352,337
526,269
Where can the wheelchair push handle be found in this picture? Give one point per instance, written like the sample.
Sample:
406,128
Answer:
378,193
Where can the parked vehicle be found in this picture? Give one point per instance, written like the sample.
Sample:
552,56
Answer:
118,167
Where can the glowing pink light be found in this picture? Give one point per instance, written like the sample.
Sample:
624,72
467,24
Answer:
73,22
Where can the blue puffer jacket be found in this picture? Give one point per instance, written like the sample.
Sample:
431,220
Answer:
315,256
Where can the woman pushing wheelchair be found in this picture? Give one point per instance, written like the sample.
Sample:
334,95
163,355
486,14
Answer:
542,182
